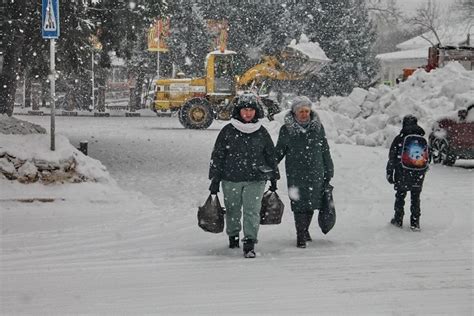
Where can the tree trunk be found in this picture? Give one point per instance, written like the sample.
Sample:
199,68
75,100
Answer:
138,90
35,96
27,91
44,93
101,82
8,80
13,43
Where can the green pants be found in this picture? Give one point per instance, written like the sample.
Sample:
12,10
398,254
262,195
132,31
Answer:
246,196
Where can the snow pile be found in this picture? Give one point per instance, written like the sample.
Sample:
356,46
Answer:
312,50
373,117
11,125
27,158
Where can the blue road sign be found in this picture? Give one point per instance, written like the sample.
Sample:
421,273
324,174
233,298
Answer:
50,19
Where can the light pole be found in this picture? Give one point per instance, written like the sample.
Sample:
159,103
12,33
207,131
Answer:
92,79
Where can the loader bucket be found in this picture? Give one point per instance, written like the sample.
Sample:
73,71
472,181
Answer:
303,59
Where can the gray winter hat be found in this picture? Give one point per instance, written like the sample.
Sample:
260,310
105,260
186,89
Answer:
299,102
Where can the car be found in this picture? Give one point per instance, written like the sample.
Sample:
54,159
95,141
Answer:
453,138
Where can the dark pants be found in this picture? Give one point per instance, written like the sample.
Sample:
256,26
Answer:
415,201
302,222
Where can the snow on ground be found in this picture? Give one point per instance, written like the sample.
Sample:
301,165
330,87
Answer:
130,243
135,248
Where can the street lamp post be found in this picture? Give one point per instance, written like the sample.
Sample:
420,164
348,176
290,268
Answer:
92,79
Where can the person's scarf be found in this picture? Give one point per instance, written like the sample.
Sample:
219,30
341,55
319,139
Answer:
246,128
295,127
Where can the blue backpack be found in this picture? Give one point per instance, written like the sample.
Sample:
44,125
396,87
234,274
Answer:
415,154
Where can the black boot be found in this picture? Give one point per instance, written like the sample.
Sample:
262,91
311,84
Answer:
415,223
249,251
415,210
300,224
300,242
397,219
234,242
309,217
307,236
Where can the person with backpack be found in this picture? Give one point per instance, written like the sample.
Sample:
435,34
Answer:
242,161
309,167
406,168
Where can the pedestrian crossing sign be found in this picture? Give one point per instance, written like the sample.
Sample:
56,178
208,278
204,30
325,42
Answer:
50,19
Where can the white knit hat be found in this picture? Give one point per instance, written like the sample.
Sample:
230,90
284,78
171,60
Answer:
299,102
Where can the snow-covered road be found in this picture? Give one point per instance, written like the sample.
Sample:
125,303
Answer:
155,260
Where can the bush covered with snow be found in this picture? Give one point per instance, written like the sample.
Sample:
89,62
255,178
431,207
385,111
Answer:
27,158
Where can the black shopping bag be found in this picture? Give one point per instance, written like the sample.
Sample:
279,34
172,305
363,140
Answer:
327,213
272,209
211,216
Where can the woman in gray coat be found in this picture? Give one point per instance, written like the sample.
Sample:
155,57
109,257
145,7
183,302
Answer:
309,167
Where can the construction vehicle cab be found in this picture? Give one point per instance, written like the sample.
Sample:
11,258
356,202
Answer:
199,100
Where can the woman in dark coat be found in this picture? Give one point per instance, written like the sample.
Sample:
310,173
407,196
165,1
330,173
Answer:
243,159
309,167
403,179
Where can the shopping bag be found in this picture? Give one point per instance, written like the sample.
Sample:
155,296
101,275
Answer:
327,213
211,215
272,208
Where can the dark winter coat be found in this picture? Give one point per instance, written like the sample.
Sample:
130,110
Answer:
239,156
404,179
308,161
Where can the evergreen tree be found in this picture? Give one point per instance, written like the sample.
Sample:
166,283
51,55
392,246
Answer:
122,29
14,22
189,40
74,54
347,37
27,53
255,29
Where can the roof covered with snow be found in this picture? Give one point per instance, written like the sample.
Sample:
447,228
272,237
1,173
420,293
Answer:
405,54
452,35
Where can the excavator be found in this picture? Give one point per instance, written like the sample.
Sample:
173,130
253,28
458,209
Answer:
199,101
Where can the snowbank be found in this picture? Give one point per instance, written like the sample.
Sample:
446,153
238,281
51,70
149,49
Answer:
11,125
373,117
24,158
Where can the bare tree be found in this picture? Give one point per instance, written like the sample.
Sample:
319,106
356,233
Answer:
390,25
428,19
384,10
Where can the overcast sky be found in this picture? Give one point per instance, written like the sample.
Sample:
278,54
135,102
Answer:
409,6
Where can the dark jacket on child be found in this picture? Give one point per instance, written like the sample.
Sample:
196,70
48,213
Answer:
402,178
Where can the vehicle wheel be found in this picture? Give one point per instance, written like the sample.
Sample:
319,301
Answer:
196,114
440,152
449,160
270,108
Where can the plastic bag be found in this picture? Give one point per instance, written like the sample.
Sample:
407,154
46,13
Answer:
272,209
211,216
327,213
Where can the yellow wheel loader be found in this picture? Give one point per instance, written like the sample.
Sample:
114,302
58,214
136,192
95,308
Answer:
201,100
